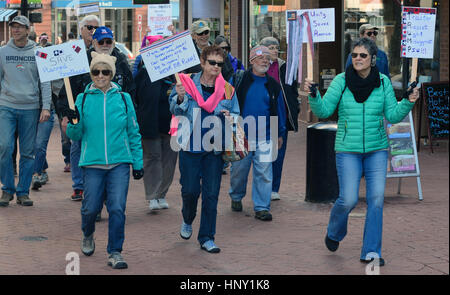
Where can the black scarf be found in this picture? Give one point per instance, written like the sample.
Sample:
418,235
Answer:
362,88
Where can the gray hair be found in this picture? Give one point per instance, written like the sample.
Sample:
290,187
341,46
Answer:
89,18
368,44
267,41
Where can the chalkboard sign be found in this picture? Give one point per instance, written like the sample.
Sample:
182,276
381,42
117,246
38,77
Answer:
436,101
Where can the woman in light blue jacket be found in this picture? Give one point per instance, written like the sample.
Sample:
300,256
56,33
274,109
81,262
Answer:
105,121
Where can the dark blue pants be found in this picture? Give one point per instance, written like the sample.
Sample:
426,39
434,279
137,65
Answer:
201,173
277,166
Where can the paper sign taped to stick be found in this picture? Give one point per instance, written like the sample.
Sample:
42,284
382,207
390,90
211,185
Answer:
322,24
62,61
418,29
170,56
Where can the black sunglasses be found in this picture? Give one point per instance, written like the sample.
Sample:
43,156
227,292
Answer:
226,48
90,28
375,33
213,63
363,55
103,41
104,72
203,33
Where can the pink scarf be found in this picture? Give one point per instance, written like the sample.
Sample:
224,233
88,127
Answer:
209,105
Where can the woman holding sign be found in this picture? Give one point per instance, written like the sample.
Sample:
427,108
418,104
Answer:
105,122
197,99
363,97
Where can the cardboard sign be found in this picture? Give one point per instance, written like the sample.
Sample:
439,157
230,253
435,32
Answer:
170,56
159,18
418,29
62,61
322,24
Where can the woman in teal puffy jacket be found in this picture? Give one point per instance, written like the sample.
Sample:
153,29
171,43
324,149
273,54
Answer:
105,121
363,97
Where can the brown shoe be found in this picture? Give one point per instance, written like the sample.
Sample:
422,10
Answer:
5,199
24,200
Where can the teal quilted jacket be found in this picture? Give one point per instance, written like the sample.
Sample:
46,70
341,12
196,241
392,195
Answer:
360,125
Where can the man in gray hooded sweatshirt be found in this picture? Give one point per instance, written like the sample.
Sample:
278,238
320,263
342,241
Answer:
24,102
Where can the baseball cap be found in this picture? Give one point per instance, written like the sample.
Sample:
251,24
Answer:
21,20
365,27
200,26
102,33
258,51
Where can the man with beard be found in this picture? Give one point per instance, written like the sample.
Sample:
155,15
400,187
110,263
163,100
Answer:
260,98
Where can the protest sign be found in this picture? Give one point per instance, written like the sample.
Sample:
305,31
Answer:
61,61
418,30
170,56
322,24
159,18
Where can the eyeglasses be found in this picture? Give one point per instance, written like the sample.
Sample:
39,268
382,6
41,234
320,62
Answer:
375,33
103,41
226,48
213,63
90,28
203,33
104,72
274,47
363,55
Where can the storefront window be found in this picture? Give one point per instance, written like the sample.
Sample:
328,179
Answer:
386,15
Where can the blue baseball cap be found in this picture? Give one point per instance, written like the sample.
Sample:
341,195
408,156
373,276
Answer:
102,33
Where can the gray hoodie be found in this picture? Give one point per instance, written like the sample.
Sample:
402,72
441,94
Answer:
19,78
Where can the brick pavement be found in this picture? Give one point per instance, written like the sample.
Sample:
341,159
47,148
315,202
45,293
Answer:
415,237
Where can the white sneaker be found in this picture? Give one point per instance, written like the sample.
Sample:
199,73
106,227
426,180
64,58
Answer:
275,196
154,205
163,203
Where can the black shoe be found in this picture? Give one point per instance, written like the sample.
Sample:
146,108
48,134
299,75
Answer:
381,261
263,215
331,245
236,206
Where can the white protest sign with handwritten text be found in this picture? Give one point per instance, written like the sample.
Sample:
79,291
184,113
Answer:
170,56
322,24
418,30
159,18
62,61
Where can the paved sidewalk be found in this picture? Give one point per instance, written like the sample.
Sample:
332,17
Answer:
36,240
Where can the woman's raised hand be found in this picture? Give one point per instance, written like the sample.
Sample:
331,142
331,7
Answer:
414,96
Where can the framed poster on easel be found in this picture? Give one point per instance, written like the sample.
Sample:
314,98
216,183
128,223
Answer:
402,153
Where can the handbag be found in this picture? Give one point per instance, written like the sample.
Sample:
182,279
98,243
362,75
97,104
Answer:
236,147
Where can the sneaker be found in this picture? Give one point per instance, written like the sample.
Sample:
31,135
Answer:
380,261
236,206
77,195
263,215
88,245
44,178
186,231
67,167
210,247
24,200
6,198
154,205
115,260
36,182
163,203
274,196
331,244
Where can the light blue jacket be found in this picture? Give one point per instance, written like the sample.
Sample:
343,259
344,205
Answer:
191,111
108,129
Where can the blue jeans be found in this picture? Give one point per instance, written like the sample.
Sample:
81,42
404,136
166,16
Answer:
277,165
207,167
115,183
44,130
25,121
77,173
262,179
350,168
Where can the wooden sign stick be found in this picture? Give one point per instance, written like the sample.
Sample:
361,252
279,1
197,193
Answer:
69,96
309,64
177,77
415,62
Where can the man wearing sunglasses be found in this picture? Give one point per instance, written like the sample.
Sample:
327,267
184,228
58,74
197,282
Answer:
200,34
371,32
87,27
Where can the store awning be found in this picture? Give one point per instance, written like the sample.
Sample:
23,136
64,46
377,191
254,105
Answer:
7,14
